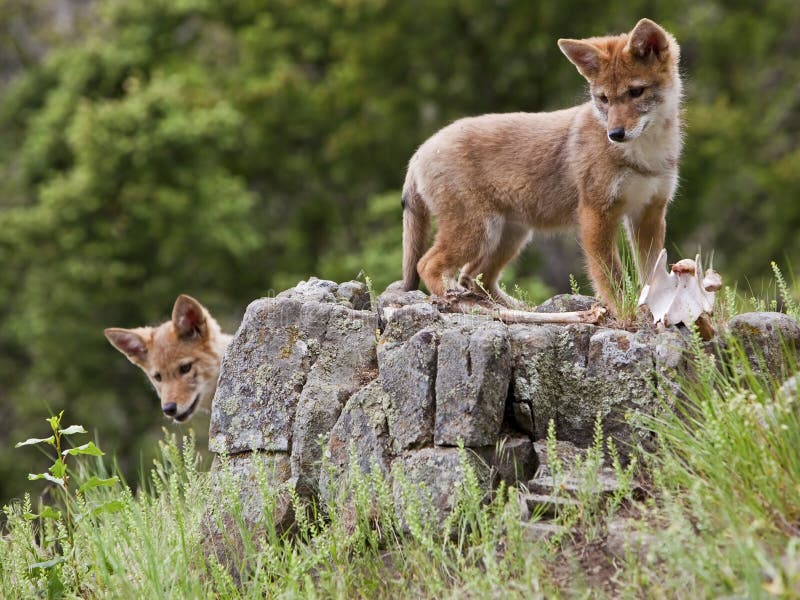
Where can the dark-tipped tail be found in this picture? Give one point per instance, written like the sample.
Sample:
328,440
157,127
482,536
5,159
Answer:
416,222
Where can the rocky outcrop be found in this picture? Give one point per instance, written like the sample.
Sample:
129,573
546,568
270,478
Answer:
320,379
768,339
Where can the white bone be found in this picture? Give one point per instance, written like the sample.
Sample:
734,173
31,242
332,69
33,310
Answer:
681,295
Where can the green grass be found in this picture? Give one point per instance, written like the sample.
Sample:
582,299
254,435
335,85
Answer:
721,518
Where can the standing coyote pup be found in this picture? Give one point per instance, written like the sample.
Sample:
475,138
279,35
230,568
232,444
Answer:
181,357
490,179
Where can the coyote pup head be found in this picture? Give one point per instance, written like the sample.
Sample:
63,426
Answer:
633,77
180,357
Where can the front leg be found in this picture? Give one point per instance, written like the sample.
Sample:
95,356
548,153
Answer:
598,229
646,232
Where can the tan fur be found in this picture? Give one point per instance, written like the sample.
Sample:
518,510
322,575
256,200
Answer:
489,180
192,337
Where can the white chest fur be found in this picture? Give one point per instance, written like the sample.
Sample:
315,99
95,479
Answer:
636,191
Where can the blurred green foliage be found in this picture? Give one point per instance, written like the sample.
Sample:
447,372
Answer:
226,148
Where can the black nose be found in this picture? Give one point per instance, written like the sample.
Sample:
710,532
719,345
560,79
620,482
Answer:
617,135
170,409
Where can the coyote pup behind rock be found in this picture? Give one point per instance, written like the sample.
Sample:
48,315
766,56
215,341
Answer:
181,357
489,180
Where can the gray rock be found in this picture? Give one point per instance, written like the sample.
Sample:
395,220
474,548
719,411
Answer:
355,294
523,416
567,454
472,376
571,374
427,480
361,430
347,349
262,375
566,303
401,323
545,505
511,459
625,537
535,531
790,387
234,516
313,290
770,340
300,351
408,376
395,297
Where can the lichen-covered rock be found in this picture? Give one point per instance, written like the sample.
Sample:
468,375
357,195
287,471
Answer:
408,376
303,350
571,374
427,480
346,351
356,294
512,459
768,339
360,433
472,376
566,303
236,504
401,323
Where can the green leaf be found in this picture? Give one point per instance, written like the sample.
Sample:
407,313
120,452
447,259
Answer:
73,429
55,421
58,469
95,481
87,448
48,512
30,441
111,506
37,476
48,564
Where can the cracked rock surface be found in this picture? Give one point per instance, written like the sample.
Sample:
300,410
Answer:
322,379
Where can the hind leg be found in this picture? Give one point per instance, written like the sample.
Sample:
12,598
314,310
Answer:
455,245
513,238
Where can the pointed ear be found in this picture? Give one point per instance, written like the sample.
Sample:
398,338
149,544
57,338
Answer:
188,318
647,38
130,343
584,55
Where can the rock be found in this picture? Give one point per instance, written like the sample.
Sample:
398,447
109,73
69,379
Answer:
408,376
401,323
313,290
625,538
770,341
346,350
535,531
236,505
301,353
361,430
789,388
605,484
545,505
571,374
523,416
355,294
511,459
395,297
566,453
472,376
430,481
566,303
262,375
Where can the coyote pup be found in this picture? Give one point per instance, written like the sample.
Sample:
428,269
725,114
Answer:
490,179
181,357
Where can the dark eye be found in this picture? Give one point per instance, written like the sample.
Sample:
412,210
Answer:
157,376
635,92
603,98
185,368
